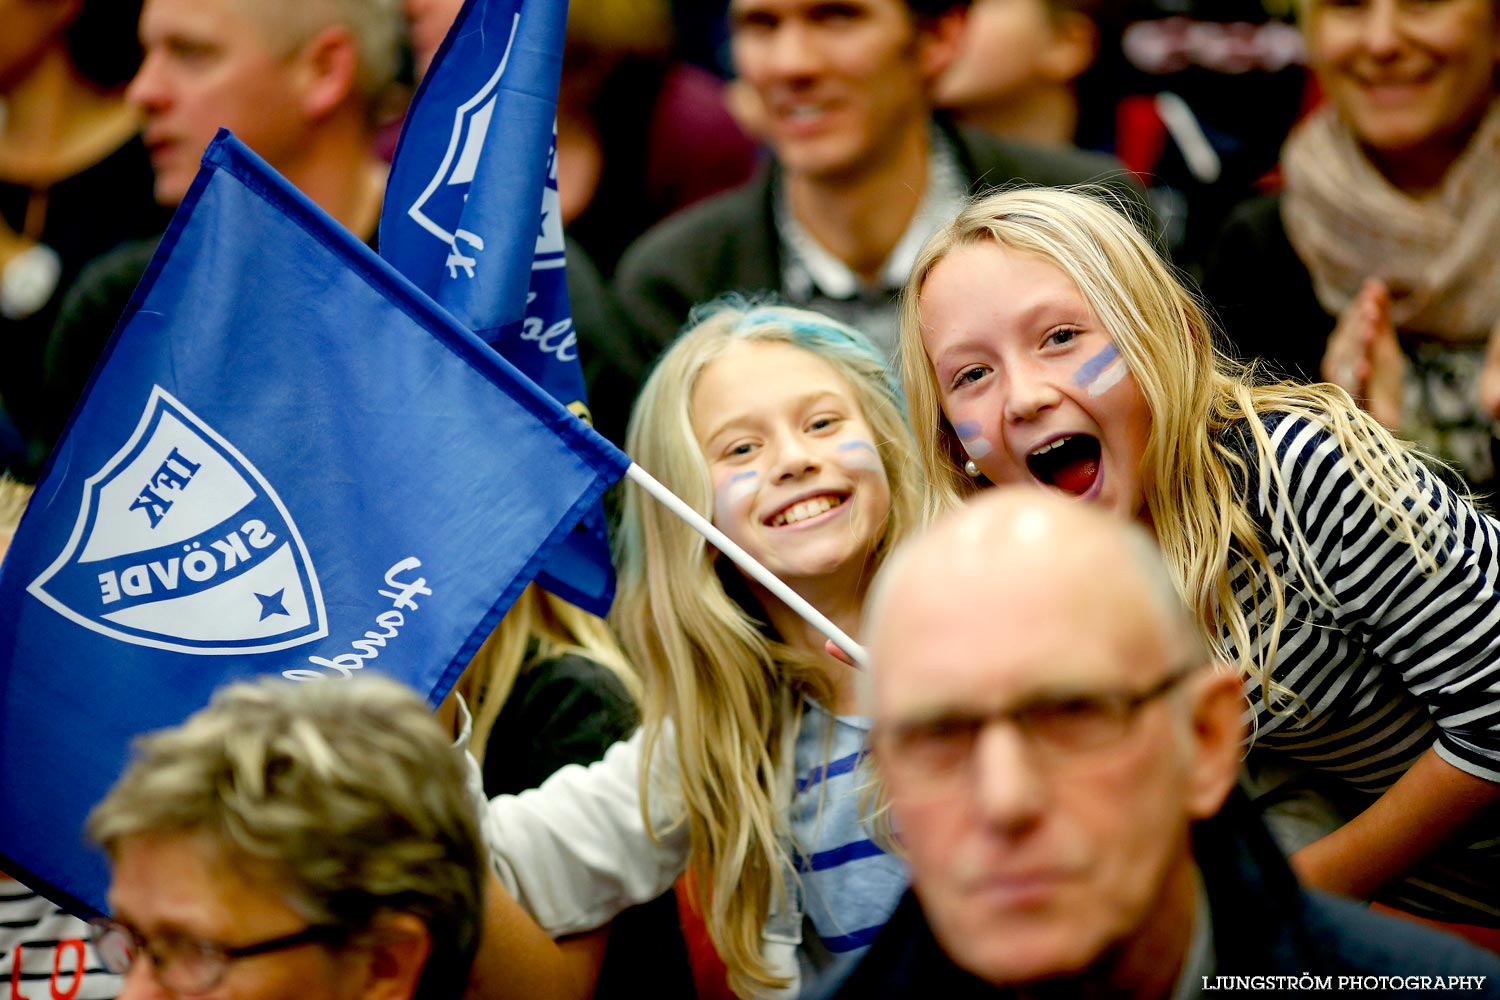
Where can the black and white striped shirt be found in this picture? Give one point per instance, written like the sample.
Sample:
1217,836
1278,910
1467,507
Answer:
1396,662
45,953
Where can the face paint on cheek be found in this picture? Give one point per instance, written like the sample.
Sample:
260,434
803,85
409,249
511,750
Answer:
1102,372
971,436
861,454
736,491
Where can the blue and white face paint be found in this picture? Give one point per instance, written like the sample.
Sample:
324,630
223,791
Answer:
861,454
971,436
1102,372
735,492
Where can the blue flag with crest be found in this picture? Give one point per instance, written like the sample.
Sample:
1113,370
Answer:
290,460
472,217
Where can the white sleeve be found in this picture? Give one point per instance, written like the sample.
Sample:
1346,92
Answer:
575,852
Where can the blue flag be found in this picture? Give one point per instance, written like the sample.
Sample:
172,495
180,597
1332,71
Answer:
289,461
472,217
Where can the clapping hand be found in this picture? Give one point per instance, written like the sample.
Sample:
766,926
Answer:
1364,355
1489,378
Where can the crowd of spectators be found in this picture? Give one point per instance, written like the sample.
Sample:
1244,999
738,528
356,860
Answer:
661,106
827,289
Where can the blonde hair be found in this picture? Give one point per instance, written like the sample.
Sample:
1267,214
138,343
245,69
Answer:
346,790
377,27
731,690
539,626
1197,486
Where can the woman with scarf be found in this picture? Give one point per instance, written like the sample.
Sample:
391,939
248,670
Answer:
1377,266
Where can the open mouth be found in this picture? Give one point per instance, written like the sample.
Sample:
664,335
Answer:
1070,464
804,510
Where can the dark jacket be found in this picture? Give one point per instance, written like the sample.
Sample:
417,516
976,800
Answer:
1263,293
82,217
1264,925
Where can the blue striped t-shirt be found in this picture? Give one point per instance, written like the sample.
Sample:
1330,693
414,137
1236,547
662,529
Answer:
849,886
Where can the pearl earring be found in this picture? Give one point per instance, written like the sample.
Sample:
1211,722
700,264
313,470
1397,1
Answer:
971,469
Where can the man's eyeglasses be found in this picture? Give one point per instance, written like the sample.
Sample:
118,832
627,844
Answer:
188,965
1057,729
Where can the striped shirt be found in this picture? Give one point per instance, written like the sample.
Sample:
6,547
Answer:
849,886
45,953
1396,662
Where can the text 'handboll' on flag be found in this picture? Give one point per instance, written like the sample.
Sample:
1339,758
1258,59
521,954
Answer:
472,217
289,461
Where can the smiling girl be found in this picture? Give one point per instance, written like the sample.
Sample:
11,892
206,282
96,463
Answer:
1044,341
782,427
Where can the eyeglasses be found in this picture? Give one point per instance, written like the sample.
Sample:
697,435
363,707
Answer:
189,965
1058,729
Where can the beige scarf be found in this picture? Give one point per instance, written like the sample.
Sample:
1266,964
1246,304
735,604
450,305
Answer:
1440,255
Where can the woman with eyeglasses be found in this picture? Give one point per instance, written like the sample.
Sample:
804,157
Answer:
295,842
1045,342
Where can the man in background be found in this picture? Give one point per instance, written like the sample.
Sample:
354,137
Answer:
862,172
301,82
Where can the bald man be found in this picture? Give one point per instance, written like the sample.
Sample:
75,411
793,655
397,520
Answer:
1057,747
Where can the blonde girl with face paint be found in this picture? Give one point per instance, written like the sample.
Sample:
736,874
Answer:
1354,590
783,427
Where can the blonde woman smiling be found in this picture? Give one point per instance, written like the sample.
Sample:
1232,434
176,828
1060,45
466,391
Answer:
1376,267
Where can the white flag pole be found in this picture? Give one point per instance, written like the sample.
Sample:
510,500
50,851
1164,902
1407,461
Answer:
747,562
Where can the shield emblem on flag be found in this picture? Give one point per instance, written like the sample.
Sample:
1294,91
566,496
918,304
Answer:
182,544
441,203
